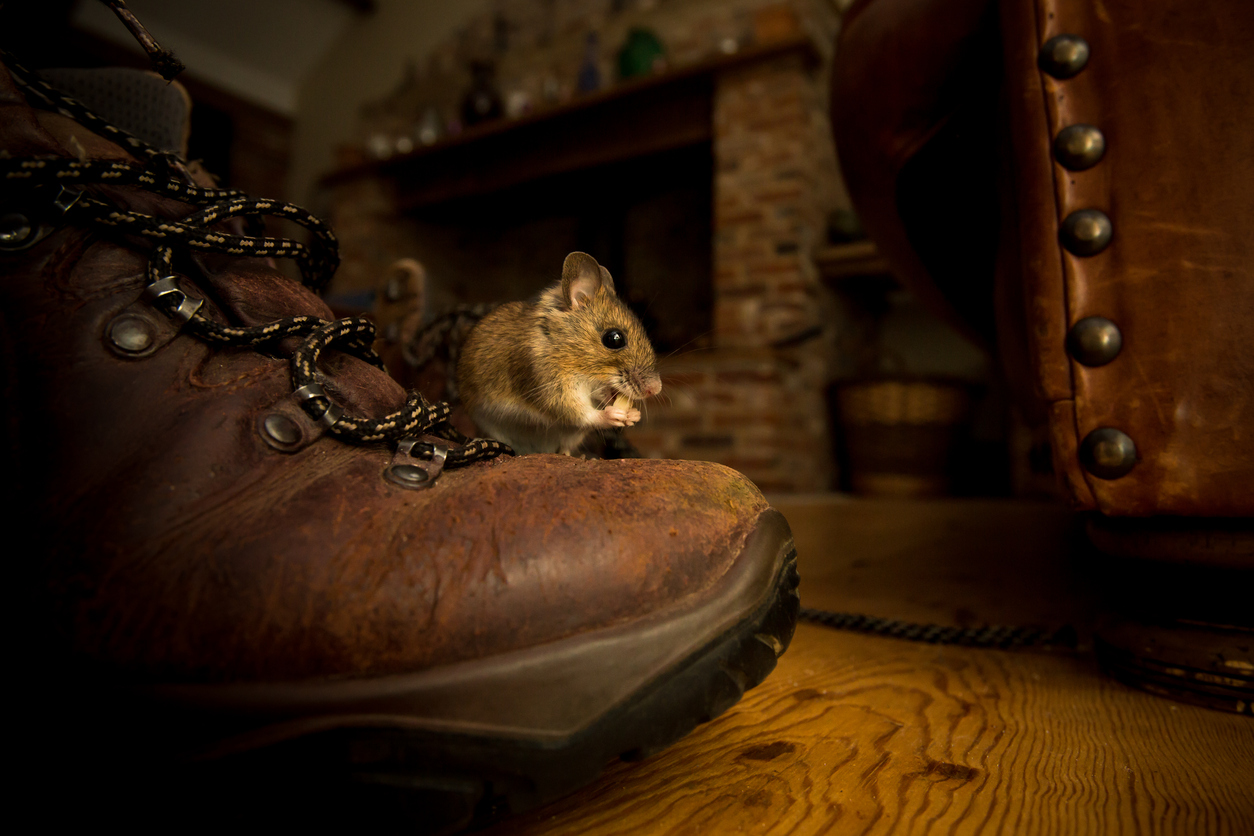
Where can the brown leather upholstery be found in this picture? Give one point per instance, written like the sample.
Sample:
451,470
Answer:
902,69
1170,84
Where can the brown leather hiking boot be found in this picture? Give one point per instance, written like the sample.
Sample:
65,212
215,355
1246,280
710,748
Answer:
250,593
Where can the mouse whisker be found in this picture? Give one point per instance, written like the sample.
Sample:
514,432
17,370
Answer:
667,395
702,335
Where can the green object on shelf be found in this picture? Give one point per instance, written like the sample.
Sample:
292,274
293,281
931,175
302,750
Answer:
642,54
844,226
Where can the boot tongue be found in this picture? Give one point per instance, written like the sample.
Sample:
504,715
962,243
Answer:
139,102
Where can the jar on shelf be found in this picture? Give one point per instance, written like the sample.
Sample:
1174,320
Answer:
482,101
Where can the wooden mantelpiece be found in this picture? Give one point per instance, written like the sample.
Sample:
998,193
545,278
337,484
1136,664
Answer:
629,120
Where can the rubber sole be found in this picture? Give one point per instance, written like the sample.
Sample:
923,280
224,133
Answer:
354,761
433,783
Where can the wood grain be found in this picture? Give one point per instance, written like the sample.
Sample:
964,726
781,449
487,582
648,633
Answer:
855,734
861,735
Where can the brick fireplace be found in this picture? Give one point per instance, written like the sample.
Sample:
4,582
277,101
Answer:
747,389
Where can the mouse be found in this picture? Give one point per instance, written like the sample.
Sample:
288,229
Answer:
540,375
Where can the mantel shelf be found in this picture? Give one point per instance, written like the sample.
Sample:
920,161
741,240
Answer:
840,262
631,119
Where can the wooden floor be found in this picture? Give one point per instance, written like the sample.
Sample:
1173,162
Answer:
854,734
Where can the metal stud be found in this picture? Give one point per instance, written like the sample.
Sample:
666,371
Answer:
131,335
1079,147
1094,341
15,231
1063,56
1108,453
1086,232
281,429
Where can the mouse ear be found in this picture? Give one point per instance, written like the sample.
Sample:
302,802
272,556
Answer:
581,279
606,281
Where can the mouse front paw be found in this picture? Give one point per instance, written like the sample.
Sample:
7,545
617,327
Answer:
613,416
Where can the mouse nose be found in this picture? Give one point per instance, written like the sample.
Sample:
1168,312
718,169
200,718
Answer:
644,381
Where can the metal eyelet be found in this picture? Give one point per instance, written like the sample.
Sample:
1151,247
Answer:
166,295
65,199
18,232
411,472
133,334
308,397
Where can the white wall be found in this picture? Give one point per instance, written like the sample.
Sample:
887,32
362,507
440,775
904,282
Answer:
257,51
365,65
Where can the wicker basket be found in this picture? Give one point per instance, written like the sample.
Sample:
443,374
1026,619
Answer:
897,402
898,435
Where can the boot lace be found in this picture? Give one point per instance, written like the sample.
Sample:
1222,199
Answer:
165,174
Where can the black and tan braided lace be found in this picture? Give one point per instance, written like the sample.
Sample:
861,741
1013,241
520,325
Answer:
444,337
165,174
1002,637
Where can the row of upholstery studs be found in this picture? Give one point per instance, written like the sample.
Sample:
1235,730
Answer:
1106,452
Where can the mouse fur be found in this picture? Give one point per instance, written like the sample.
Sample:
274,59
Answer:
538,375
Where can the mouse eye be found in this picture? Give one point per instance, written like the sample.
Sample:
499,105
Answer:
614,339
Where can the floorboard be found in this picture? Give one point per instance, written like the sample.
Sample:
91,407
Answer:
864,735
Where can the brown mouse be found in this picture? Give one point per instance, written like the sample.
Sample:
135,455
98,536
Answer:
541,375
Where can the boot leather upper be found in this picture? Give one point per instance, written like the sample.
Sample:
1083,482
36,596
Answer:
179,546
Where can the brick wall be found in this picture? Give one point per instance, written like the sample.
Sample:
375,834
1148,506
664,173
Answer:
754,400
